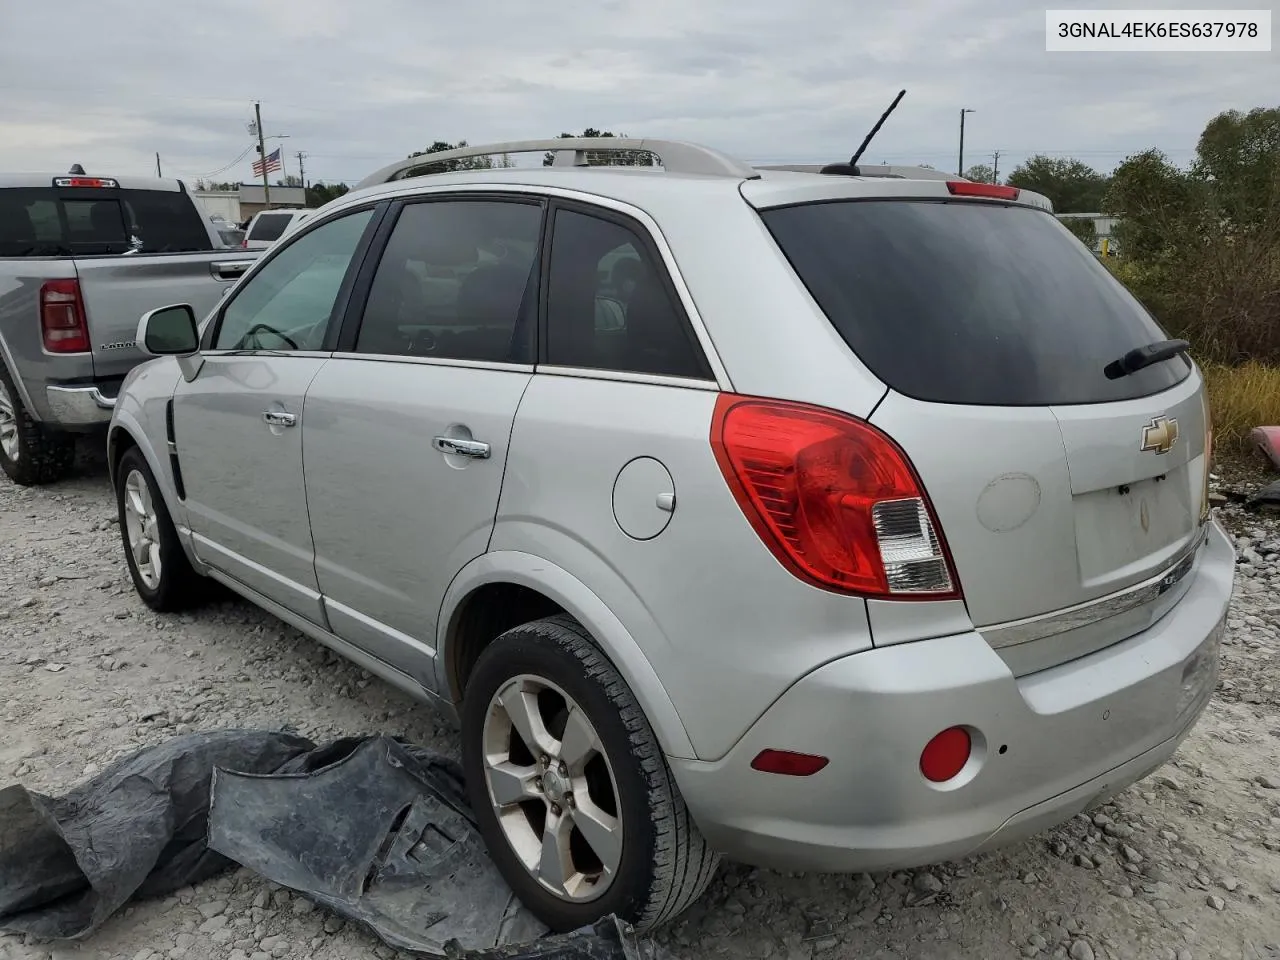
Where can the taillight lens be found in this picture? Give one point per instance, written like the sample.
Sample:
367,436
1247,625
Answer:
833,498
62,322
1208,460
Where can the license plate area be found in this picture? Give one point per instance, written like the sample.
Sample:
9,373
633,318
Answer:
1126,531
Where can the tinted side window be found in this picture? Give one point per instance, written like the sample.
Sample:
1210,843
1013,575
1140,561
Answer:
270,226
608,307
286,305
454,283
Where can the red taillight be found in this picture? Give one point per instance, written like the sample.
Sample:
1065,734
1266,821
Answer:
787,763
62,320
834,499
966,188
946,754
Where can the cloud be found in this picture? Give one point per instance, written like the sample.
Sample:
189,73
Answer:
358,85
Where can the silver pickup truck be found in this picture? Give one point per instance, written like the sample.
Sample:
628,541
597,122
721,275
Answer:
82,258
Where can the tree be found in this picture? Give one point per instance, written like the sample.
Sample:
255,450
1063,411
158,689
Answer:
1086,230
625,158
1240,154
448,166
320,193
1201,246
980,173
1071,185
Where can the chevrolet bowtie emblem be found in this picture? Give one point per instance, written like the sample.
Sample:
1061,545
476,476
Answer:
1160,435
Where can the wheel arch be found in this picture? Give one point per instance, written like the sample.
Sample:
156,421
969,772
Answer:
539,588
126,433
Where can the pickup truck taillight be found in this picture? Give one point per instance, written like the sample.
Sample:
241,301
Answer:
62,317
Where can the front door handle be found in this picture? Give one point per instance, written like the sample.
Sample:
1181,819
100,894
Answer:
476,449
278,419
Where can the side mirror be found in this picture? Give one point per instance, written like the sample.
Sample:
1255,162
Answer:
169,331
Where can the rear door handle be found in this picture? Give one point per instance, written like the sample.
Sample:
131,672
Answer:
278,419
476,449
230,269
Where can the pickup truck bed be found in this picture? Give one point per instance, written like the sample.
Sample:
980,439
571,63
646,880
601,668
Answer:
81,260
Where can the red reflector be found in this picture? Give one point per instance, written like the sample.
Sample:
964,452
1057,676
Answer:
62,322
966,188
833,498
788,764
85,182
946,754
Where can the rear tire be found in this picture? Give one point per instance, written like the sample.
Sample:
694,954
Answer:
162,575
30,453
622,806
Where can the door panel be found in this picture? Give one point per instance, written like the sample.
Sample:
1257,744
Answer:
407,435
237,421
392,517
243,476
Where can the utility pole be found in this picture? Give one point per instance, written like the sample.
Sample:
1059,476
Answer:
158,173
262,152
302,170
962,113
995,167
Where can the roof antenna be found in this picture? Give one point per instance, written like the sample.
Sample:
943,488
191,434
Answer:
76,170
850,169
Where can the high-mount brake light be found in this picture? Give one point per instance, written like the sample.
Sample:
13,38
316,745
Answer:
994,191
834,499
85,182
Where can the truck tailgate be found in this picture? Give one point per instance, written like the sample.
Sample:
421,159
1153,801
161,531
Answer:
118,290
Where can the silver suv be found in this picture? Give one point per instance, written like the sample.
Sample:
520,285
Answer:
826,521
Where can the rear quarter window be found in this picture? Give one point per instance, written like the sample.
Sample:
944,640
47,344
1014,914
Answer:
270,226
970,302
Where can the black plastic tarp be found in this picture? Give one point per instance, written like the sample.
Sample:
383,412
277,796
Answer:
376,830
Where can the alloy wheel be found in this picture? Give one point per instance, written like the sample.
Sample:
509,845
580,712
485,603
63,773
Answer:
552,788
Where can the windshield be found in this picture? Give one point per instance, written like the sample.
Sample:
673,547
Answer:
47,221
966,302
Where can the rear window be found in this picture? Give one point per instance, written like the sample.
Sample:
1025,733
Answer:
42,222
270,226
975,303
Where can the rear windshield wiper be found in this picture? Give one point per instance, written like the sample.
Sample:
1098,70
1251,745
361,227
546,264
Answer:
1141,357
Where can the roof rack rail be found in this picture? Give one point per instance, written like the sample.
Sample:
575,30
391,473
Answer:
867,170
676,156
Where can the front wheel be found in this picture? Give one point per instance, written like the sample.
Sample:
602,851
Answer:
162,574
572,793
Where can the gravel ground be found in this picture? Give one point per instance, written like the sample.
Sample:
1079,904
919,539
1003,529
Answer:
1185,864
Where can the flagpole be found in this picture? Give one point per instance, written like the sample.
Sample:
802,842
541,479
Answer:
262,152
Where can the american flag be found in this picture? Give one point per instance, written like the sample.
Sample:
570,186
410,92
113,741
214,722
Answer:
272,163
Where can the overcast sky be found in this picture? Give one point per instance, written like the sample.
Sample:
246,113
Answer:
357,84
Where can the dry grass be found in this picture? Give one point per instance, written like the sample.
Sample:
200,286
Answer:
1241,398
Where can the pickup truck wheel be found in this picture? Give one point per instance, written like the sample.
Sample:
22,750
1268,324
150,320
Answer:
30,454
161,573
569,786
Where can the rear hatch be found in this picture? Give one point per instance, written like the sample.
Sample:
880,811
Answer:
1071,502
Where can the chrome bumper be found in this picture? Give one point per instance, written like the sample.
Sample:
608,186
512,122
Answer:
78,406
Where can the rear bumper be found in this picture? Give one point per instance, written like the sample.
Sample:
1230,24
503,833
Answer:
79,406
1046,745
